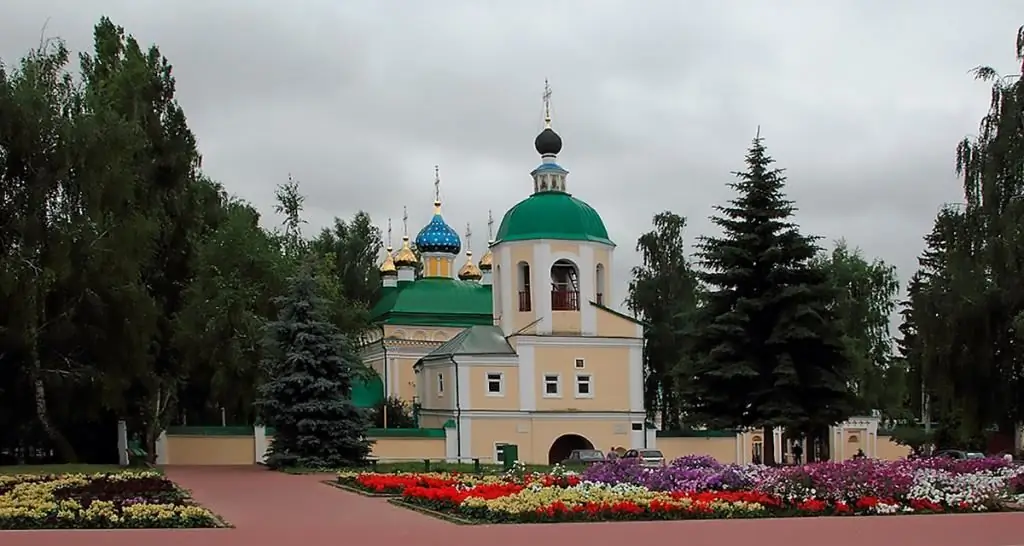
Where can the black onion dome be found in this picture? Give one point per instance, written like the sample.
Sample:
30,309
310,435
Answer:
548,142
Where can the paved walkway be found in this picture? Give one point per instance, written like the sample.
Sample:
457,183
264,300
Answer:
268,508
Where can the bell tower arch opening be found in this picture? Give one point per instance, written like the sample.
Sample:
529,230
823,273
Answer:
523,284
600,289
565,286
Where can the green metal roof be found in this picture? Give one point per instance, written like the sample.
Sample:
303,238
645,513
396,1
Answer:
552,215
435,301
476,340
367,392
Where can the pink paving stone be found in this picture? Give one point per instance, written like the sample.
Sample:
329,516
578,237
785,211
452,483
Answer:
268,508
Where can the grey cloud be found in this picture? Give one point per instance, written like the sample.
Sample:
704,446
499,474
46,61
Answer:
861,102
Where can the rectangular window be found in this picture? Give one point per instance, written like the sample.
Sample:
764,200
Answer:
584,386
580,364
552,386
495,384
440,384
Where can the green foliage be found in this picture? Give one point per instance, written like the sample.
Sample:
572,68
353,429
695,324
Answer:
961,320
864,300
770,353
399,414
664,293
308,395
131,286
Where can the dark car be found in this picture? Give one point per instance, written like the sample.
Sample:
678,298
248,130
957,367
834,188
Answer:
958,454
584,456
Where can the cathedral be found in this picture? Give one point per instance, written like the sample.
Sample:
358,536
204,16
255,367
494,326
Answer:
520,348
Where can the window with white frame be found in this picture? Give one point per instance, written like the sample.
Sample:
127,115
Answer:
552,385
580,364
584,385
440,384
495,384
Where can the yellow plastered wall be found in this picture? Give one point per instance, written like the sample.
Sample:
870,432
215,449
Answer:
607,366
535,436
437,266
479,396
722,449
612,325
854,439
523,319
210,450
439,395
890,450
408,448
401,374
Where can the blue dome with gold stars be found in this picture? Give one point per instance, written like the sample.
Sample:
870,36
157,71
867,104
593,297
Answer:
438,236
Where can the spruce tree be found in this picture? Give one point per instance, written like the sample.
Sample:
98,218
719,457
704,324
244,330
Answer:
307,397
769,352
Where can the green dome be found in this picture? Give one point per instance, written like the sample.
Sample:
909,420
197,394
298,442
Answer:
552,215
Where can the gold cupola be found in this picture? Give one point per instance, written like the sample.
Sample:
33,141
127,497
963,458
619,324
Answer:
469,271
405,257
487,261
388,269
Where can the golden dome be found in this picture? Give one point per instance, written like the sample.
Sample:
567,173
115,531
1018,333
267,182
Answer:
388,268
487,262
405,257
469,271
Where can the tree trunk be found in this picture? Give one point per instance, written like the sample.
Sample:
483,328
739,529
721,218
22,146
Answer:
769,445
64,447
60,442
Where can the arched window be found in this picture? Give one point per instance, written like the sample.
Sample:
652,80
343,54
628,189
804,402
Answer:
524,286
565,286
599,278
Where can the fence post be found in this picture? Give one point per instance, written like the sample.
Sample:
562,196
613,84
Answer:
161,448
122,443
259,433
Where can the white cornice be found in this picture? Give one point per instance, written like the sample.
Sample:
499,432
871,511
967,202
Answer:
548,415
579,341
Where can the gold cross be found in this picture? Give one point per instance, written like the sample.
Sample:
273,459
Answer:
490,226
547,103
389,232
437,184
405,221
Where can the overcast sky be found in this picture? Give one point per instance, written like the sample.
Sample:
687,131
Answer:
861,101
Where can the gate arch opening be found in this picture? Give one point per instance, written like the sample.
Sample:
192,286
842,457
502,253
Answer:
563,446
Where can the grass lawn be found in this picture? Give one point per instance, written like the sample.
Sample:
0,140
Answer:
65,469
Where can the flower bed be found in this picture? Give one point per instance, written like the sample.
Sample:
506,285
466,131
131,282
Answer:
701,488
125,500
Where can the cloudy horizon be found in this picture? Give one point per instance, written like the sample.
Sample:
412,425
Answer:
861,102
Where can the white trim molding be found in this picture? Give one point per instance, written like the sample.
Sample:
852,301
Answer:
578,341
579,380
557,383
492,377
542,415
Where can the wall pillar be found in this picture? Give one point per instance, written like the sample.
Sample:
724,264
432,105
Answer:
451,444
652,437
161,448
259,433
739,447
122,443
777,433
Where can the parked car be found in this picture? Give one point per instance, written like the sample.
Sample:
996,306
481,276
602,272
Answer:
584,457
959,454
651,458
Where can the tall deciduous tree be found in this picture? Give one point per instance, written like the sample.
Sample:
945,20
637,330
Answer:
865,298
664,293
308,395
770,354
